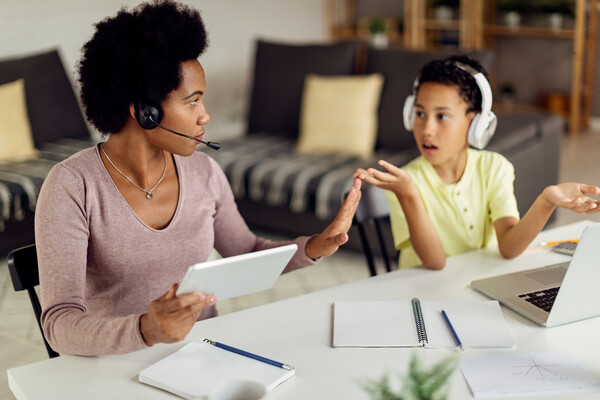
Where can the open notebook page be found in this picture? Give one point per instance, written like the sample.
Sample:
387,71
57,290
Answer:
391,323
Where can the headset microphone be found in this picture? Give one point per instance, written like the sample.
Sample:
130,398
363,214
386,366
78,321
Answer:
212,145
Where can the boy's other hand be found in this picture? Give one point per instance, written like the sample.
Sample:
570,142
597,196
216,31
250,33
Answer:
573,196
395,179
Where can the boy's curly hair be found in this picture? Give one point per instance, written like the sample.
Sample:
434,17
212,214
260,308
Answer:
137,55
446,72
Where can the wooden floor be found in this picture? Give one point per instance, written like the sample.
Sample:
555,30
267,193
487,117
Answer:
20,340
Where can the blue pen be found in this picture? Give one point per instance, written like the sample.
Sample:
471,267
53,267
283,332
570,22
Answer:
458,342
249,355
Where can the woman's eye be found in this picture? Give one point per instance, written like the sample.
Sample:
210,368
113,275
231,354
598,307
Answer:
443,116
194,102
419,114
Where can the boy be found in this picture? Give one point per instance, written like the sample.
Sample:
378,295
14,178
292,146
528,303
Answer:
454,199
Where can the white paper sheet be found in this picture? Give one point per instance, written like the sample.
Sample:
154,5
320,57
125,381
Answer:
504,375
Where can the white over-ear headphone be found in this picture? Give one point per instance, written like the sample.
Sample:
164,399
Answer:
483,124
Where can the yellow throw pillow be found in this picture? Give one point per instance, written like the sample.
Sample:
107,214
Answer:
16,141
339,114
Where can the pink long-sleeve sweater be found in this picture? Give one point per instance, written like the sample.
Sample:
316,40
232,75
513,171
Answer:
101,266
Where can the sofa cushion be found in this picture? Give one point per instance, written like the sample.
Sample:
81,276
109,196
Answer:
279,73
20,182
339,114
16,142
51,102
400,69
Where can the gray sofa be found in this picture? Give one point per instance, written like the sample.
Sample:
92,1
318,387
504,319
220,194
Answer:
278,190
58,129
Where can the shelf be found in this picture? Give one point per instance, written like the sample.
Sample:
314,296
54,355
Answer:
350,33
436,24
530,31
501,108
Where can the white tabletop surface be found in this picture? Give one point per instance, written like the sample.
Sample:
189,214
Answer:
298,331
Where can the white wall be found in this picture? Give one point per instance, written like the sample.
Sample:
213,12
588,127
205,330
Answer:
29,26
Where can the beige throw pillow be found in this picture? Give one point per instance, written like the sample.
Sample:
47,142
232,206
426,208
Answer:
16,141
339,114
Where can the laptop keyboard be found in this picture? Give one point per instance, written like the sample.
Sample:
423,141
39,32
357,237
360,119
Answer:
567,248
543,299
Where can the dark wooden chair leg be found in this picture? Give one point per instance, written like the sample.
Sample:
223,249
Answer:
366,249
382,246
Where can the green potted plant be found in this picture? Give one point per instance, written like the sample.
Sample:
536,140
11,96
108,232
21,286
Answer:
557,10
378,33
507,94
511,11
419,384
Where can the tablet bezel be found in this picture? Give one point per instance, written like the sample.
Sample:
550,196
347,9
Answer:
238,275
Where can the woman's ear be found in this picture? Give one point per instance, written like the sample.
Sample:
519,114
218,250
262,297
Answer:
132,111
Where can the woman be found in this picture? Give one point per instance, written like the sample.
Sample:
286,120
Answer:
119,223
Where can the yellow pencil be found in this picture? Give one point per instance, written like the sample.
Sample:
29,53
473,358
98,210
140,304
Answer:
558,241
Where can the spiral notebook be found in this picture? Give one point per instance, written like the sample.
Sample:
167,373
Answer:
414,323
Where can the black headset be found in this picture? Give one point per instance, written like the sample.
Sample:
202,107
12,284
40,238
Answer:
149,117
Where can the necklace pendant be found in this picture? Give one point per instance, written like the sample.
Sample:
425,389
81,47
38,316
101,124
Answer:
148,192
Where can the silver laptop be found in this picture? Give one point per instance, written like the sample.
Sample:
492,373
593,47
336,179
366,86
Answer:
238,275
556,294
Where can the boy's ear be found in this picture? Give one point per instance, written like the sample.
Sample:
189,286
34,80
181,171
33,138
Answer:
471,115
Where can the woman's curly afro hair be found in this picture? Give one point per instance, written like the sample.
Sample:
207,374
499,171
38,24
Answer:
446,72
137,55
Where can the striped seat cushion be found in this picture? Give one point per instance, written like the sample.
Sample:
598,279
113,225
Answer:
20,182
266,168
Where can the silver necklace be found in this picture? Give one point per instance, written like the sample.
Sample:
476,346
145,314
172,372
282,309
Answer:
149,191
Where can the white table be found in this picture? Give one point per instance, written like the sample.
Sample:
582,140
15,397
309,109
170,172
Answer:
298,331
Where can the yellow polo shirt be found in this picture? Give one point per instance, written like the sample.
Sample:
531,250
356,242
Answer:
463,213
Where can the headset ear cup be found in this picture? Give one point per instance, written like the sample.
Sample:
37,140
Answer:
472,132
482,129
492,122
147,116
408,113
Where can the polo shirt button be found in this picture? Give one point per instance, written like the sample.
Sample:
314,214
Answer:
458,193
471,227
465,210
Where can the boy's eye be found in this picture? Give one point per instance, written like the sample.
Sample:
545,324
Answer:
194,102
419,114
443,116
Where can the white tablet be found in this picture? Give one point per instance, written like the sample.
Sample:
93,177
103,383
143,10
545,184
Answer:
237,275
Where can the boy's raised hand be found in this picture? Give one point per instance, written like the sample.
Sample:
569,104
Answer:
573,196
395,179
